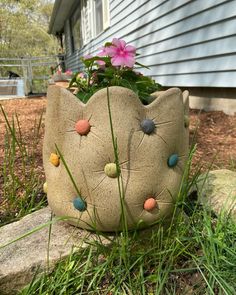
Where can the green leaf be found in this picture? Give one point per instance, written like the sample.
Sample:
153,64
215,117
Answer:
73,80
108,44
141,65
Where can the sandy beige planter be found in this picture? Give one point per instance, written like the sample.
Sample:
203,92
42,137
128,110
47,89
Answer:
61,77
153,148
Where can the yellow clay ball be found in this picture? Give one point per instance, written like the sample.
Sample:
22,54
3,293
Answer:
54,159
45,187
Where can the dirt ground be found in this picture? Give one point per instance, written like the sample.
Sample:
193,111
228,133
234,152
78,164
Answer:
215,136
214,132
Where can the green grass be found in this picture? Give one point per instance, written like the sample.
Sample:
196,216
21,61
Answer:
195,256
21,184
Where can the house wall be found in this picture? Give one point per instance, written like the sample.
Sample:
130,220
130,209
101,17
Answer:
185,43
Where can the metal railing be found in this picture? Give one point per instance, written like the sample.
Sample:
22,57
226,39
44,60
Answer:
34,71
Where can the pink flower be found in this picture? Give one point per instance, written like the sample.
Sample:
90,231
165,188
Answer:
103,51
121,54
87,56
101,63
68,72
80,75
58,72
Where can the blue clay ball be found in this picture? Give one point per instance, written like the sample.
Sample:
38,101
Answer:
147,126
173,160
79,204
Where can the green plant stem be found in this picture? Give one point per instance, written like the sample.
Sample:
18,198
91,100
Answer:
13,134
67,170
119,178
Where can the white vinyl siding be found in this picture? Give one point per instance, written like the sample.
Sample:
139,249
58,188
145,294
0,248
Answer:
184,42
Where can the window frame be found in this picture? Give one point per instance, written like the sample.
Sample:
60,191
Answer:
87,17
75,17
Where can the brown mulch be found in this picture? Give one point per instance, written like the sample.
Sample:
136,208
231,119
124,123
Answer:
29,112
28,109
215,136
214,133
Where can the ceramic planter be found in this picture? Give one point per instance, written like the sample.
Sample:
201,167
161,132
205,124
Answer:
152,146
61,77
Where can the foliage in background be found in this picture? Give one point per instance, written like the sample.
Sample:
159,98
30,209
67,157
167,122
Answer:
23,29
113,66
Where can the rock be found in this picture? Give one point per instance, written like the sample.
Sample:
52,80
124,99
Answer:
20,260
217,190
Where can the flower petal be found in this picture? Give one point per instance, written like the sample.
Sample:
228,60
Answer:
87,56
119,43
103,51
111,50
129,61
130,49
116,42
117,61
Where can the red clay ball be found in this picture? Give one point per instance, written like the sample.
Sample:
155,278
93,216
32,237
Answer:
150,204
82,127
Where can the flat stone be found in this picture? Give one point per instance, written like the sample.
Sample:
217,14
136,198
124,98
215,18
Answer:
20,260
217,190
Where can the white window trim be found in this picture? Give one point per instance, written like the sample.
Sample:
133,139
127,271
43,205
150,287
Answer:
106,14
90,33
92,19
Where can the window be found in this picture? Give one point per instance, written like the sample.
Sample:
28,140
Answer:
90,19
99,16
76,29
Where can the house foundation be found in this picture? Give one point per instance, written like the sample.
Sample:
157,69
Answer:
213,99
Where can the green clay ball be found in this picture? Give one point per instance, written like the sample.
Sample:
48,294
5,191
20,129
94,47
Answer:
110,170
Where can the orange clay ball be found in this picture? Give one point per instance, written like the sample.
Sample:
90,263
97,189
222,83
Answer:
54,159
82,127
150,204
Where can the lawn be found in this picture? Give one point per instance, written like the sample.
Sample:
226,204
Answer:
196,255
